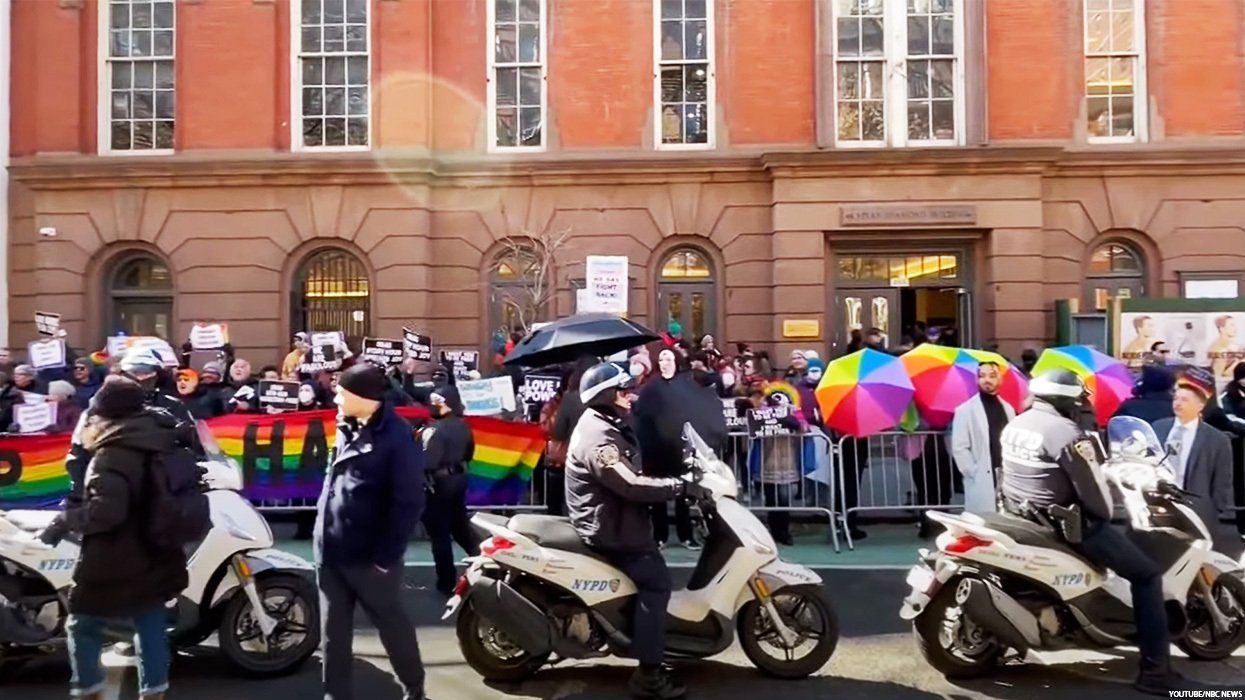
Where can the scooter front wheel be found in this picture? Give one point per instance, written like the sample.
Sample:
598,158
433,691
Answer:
489,653
807,612
1201,641
293,602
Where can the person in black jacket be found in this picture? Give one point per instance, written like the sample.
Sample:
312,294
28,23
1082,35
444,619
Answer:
571,408
1152,397
120,575
448,449
608,497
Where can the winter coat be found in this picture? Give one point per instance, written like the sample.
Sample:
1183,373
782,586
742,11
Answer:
970,448
204,403
118,573
1149,407
663,407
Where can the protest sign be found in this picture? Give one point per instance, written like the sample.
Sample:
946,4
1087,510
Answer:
539,388
606,283
768,422
159,346
47,323
337,339
282,396
320,358
418,347
46,354
487,397
34,417
736,421
383,352
209,336
460,363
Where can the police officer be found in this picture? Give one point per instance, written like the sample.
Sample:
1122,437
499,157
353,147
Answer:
1048,460
448,448
609,502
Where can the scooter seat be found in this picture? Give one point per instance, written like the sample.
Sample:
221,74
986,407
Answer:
1029,533
552,532
30,520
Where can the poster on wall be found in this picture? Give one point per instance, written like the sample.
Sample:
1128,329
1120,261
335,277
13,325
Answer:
1204,338
607,278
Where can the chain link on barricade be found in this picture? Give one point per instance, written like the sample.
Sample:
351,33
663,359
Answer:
894,471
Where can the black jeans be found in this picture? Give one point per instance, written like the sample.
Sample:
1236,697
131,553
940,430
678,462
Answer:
342,588
555,491
682,521
779,496
1108,547
647,570
446,520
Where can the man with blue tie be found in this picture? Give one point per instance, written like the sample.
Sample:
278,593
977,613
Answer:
1198,454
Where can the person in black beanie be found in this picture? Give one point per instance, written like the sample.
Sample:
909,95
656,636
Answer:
372,499
448,449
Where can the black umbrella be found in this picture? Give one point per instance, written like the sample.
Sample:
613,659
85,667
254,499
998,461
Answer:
570,338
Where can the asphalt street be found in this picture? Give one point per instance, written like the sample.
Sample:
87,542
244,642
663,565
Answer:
876,658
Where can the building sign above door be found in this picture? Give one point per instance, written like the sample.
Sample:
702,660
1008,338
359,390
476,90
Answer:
908,215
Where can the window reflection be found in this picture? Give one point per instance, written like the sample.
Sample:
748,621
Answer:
861,268
698,315
686,264
851,315
1114,258
674,307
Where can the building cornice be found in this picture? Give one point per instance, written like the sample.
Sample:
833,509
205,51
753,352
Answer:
229,169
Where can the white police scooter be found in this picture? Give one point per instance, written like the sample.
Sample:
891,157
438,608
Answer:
260,602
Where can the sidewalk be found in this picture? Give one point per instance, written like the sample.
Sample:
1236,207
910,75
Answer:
888,547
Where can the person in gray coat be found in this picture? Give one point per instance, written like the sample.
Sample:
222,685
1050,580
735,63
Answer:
1199,455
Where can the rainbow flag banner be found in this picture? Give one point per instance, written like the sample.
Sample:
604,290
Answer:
284,457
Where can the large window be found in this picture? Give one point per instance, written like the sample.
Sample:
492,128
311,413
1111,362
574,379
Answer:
1115,70
683,37
516,87
1116,270
687,292
517,291
899,72
137,40
140,297
332,74
332,293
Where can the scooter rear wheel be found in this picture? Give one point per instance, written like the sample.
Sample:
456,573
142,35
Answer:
482,646
821,626
979,658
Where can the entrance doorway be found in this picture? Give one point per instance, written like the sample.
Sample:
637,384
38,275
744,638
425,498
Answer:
907,298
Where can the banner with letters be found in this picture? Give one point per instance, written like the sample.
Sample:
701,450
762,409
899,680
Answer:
284,457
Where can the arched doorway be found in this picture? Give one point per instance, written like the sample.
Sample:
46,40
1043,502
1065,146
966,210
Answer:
331,292
515,292
1116,269
687,293
140,297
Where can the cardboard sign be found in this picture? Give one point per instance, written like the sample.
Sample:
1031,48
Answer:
461,363
736,421
418,347
283,396
487,397
46,323
209,336
320,358
386,353
607,278
767,422
34,417
46,354
117,345
539,388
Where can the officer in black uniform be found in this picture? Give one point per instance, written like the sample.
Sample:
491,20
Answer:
1048,460
448,449
608,499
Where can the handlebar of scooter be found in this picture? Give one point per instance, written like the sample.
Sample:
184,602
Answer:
1167,489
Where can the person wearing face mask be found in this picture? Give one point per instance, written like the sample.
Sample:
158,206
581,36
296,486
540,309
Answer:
448,449
641,367
807,387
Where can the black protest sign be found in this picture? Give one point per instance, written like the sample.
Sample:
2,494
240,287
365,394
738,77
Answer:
282,396
383,352
539,388
320,358
768,422
418,347
736,421
460,363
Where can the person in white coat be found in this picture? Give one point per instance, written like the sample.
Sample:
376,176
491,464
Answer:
975,447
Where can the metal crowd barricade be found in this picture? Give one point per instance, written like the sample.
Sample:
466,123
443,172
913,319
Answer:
778,477
533,500
894,472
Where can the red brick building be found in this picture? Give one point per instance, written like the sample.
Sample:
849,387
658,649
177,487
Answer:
359,164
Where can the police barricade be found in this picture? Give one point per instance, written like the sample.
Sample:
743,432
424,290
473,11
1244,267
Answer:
893,473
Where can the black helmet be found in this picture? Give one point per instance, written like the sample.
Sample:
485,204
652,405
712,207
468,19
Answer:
599,383
1062,389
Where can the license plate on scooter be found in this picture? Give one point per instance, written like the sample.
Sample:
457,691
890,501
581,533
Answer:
920,578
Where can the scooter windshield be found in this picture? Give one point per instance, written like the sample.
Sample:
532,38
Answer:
1132,437
693,442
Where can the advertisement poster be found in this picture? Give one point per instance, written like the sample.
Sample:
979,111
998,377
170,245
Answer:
1204,339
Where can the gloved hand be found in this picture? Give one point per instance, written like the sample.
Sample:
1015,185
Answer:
695,491
54,533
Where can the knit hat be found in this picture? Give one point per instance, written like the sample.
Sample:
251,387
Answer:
62,388
366,381
811,355
816,363
187,374
26,370
214,367
1198,380
118,397
675,328
642,359
798,353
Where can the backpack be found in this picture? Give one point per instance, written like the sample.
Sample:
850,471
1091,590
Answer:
179,513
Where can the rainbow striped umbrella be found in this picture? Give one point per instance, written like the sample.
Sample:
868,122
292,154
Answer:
863,393
1108,380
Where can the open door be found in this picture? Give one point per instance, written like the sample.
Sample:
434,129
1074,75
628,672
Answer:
863,309
968,329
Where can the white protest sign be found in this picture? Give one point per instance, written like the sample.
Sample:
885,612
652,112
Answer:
607,278
209,336
418,346
46,354
34,417
335,338
487,397
47,323
117,345
583,302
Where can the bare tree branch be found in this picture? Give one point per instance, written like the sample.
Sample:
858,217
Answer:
532,259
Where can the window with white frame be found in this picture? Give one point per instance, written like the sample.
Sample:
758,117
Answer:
333,74
137,114
1116,102
899,72
684,83
517,74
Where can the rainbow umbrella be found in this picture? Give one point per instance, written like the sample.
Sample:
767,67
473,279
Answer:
863,393
1013,385
943,378
1107,379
